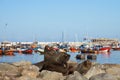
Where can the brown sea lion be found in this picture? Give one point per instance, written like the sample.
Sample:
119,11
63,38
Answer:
55,61
54,57
59,58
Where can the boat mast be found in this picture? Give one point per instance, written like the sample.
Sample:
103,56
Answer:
63,38
76,38
3,31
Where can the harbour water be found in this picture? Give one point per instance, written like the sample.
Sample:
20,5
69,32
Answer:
113,57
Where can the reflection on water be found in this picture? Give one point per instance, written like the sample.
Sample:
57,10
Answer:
112,57
34,58
105,54
108,57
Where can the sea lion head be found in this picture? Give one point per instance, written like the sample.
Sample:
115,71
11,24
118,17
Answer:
47,48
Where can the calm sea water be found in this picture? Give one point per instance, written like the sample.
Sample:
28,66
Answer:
112,57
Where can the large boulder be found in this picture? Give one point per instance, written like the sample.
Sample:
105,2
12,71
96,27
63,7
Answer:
75,76
103,76
26,78
9,70
27,69
30,70
48,75
22,63
94,70
113,69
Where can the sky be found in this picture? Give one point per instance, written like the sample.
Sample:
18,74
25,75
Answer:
48,20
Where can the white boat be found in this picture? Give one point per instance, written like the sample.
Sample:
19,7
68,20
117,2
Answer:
40,50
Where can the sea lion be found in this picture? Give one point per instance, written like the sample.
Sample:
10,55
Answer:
54,57
55,61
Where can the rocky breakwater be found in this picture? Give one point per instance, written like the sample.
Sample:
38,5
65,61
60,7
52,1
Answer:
85,71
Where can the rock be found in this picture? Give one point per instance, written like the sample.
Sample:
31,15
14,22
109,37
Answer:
80,56
28,67
75,76
6,77
22,63
94,70
115,71
31,74
103,76
84,67
92,57
27,78
48,75
9,70
111,65
72,63
30,70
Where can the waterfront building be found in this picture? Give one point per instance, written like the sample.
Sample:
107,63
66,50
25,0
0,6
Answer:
104,41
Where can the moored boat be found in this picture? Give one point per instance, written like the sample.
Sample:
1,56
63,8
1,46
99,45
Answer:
88,51
105,49
1,52
73,49
117,48
9,52
27,51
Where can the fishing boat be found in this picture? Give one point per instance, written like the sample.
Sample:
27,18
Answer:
88,51
40,50
9,52
1,52
117,48
73,49
27,51
104,49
